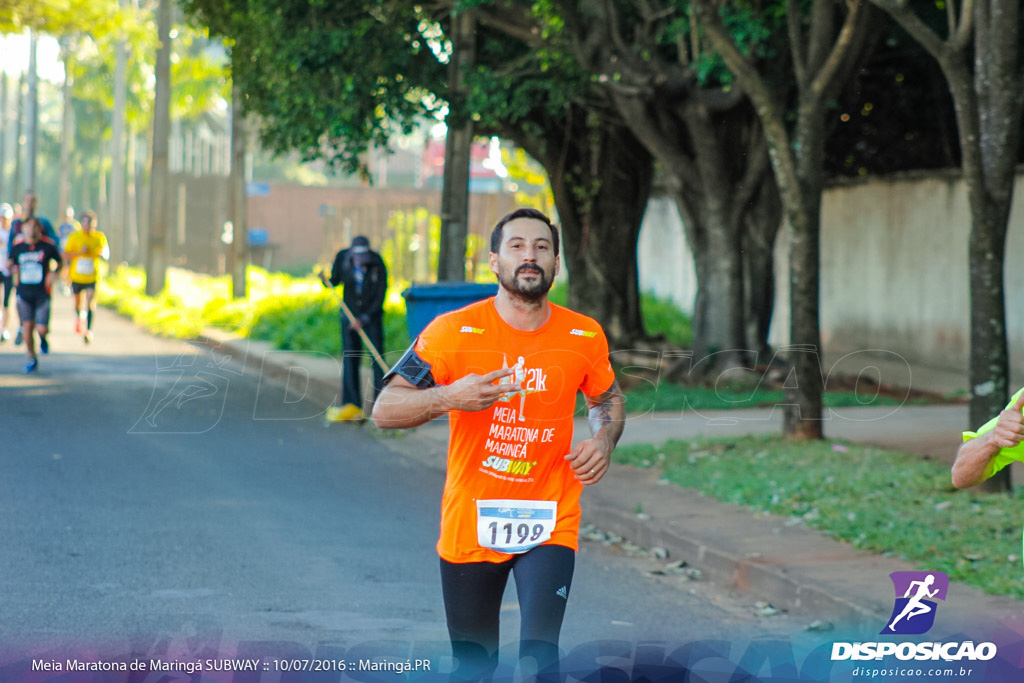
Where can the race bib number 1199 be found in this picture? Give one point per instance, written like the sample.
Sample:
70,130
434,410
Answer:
514,526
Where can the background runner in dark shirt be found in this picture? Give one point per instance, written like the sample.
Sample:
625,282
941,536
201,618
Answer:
34,264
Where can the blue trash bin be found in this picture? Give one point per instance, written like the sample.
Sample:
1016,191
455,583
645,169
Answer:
425,302
258,237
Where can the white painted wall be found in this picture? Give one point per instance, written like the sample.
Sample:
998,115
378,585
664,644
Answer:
664,257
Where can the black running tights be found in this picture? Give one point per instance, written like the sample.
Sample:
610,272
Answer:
472,601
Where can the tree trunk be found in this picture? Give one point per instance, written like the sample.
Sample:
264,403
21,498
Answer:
704,139
993,134
989,102
600,256
32,114
714,240
5,121
238,252
19,128
823,57
600,243
156,251
131,213
802,203
114,225
988,110
760,229
989,367
805,387
717,160
67,134
601,179
451,262
458,148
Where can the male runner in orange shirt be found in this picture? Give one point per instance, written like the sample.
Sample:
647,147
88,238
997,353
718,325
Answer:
507,370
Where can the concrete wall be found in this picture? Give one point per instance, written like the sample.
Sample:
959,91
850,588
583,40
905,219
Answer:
894,270
894,265
897,270
664,257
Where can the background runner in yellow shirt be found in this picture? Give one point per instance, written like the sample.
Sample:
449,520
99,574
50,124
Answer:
83,250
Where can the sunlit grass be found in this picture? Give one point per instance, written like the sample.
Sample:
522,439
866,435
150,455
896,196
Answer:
646,397
293,313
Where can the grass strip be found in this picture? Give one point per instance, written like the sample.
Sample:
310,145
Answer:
886,502
293,313
666,396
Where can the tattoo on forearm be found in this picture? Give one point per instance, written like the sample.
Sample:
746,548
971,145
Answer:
606,411
599,416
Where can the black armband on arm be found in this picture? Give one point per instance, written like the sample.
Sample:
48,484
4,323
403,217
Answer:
413,369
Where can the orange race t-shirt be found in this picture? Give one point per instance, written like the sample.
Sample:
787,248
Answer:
508,486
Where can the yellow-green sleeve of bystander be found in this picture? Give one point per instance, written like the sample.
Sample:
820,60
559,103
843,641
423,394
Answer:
1005,455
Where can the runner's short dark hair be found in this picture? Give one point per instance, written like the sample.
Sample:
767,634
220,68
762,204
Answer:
522,213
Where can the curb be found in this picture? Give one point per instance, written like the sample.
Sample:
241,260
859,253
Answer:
668,522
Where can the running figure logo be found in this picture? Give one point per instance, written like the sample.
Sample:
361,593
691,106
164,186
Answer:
530,379
915,606
189,392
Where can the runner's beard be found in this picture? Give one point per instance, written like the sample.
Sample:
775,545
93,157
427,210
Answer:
530,291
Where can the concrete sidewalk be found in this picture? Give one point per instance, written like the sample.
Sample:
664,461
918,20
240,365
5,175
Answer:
794,568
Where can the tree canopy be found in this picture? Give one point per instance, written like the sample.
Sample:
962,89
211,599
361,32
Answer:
331,79
894,114
61,18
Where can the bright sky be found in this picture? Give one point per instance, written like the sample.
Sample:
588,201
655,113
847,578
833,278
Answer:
14,48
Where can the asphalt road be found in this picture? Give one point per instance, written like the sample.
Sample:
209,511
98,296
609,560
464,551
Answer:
158,499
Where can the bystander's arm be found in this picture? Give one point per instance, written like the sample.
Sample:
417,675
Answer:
974,456
336,271
972,459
